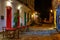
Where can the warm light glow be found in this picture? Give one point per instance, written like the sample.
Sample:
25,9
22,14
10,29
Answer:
19,7
51,28
8,3
51,10
55,18
32,16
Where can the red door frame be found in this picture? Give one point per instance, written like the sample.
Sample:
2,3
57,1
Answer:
8,17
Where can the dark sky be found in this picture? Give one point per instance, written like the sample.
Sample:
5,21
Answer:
42,5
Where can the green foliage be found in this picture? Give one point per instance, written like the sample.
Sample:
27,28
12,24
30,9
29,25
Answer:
15,19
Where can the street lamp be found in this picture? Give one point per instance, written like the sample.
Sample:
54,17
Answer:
19,6
51,11
8,3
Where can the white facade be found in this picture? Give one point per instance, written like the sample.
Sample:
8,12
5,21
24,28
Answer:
14,8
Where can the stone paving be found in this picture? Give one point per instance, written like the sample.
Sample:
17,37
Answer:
34,37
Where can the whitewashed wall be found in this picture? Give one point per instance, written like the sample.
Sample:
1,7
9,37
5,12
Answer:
2,12
14,8
22,10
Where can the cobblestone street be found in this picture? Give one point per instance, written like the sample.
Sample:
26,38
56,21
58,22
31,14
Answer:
34,37
36,33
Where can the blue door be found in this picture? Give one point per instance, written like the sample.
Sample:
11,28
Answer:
58,18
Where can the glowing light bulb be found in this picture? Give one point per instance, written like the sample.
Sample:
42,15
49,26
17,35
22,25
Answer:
8,3
51,10
19,6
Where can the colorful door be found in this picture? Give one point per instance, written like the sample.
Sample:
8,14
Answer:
25,18
58,18
28,17
8,17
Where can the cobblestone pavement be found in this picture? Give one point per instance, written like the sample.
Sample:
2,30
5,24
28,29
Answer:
42,27
40,37
34,37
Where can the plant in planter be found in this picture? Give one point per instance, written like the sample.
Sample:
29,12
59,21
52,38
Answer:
15,19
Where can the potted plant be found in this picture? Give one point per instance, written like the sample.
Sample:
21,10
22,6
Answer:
15,19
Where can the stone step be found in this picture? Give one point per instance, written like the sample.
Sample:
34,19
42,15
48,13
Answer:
41,32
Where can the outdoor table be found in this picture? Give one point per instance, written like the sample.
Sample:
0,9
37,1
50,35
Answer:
10,33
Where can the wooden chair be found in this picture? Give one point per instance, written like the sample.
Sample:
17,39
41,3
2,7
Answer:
9,33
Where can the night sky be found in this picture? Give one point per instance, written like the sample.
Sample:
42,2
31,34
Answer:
43,6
